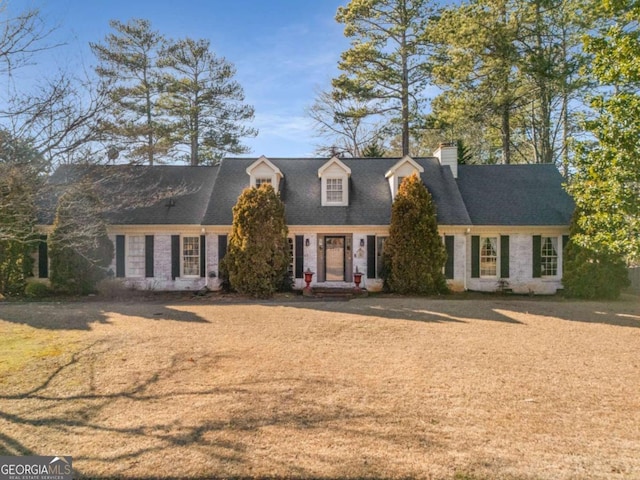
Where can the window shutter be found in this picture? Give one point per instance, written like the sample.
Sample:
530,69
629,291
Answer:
371,256
203,255
536,256
222,247
449,246
475,256
43,258
120,256
299,256
175,256
148,256
565,241
504,256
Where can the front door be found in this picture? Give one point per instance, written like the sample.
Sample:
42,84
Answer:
334,259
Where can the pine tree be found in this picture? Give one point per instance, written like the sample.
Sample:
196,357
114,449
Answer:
414,255
258,257
387,66
204,102
129,72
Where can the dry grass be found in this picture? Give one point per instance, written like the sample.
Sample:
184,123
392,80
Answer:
378,387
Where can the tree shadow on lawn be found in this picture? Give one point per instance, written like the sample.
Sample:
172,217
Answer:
46,416
81,315
505,309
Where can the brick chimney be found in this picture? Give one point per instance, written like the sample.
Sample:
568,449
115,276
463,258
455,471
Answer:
447,154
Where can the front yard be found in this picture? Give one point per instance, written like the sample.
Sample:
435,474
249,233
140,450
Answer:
376,387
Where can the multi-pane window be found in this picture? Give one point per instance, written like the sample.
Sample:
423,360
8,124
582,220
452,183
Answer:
549,256
261,180
488,256
135,256
334,190
191,256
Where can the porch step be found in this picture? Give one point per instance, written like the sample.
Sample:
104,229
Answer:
328,293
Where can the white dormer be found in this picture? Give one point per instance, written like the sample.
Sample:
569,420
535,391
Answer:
263,171
334,176
406,167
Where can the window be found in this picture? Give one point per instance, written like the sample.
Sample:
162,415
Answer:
191,256
135,256
549,257
334,190
380,241
488,256
261,180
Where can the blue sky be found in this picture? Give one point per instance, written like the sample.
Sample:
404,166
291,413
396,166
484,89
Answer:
284,50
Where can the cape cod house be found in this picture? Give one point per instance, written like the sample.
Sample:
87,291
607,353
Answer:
502,225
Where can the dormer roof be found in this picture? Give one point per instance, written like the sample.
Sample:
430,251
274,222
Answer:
404,160
267,162
337,162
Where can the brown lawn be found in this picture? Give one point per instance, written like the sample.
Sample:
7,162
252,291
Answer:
491,387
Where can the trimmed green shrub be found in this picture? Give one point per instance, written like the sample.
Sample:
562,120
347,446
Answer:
257,260
414,255
37,290
592,275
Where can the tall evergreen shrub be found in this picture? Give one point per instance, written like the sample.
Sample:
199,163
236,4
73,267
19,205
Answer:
414,255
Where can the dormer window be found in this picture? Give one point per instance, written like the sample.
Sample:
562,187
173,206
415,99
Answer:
261,180
334,178
334,190
406,167
263,171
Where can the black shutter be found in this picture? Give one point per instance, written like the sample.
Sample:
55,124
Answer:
504,256
299,256
120,256
449,246
371,256
222,247
148,256
203,255
475,256
175,256
43,258
536,256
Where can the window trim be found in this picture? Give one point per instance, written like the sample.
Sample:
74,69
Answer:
128,254
182,256
543,240
496,247
344,180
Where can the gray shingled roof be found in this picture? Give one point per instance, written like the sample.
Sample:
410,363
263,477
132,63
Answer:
514,195
369,193
482,195
189,187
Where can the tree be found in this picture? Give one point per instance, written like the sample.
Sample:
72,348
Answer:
387,66
129,72
414,255
344,124
590,274
257,259
80,250
204,102
512,66
373,150
606,184
477,54
20,178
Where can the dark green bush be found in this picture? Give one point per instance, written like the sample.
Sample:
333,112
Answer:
37,290
592,275
414,255
257,259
